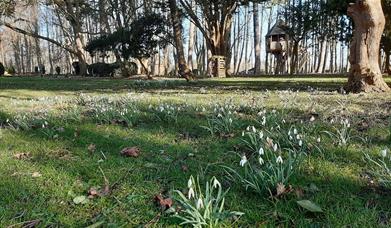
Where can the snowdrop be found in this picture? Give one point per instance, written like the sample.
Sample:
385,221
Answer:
190,193
243,161
216,183
279,160
261,151
275,147
200,203
261,134
261,161
383,153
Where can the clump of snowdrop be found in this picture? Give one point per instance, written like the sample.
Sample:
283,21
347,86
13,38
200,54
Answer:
341,131
222,121
108,111
204,208
272,155
380,167
166,112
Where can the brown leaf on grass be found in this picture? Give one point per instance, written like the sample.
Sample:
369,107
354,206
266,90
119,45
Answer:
185,168
130,152
21,156
282,189
92,148
92,193
227,136
269,142
164,203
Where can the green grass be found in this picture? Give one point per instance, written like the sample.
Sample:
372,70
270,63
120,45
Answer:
69,169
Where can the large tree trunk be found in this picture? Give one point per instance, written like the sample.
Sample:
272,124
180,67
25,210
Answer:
365,73
184,70
257,39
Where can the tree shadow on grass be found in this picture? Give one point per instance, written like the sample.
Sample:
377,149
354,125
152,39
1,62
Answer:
107,85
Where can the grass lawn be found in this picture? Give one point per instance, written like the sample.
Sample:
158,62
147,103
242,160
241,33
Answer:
61,137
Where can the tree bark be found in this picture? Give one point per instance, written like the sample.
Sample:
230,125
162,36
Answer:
257,40
184,70
365,73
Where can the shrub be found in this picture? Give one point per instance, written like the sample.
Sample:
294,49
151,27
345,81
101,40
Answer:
58,70
11,70
204,209
102,69
2,69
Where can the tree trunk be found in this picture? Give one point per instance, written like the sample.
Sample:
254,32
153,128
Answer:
388,67
184,70
257,40
365,74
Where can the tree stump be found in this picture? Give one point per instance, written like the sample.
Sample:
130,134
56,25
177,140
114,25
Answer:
365,73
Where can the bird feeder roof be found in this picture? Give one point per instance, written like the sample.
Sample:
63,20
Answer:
277,29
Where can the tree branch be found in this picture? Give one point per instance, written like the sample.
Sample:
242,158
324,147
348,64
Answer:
36,35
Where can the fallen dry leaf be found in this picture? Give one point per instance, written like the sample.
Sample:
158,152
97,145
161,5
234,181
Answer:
20,156
92,148
92,193
282,189
36,174
185,168
130,152
164,203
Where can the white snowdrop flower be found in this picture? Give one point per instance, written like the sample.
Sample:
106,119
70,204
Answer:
254,129
275,147
242,133
261,161
295,131
216,183
191,193
290,137
243,161
189,183
279,160
203,109
219,115
312,119
274,111
261,151
200,203
263,120
383,153
283,121
261,134
318,140
289,132
229,113
230,120
300,143
298,137
248,128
